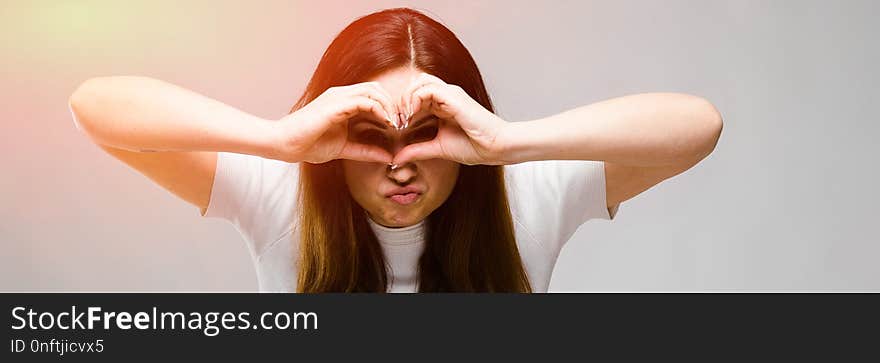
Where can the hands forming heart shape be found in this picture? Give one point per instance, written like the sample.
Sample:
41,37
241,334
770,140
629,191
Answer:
467,132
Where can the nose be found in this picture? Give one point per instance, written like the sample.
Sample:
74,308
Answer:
403,174
397,142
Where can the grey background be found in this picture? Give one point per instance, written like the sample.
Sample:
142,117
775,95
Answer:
787,202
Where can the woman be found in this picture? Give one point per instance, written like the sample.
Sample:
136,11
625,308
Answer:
391,172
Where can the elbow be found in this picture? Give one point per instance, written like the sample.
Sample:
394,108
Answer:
83,92
75,105
85,103
79,101
708,124
88,91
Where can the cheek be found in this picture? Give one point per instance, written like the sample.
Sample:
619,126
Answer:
441,175
361,177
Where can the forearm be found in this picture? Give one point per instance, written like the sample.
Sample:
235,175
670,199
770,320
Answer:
144,114
650,129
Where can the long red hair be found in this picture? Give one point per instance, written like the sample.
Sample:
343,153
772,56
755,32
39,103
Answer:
470,244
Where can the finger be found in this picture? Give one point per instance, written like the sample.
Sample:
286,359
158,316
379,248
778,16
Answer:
421,80
375,91
363,152
372,91
406,96
419,151
429,98
389,105
360,105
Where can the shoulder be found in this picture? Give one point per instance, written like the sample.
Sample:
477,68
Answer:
552,198
257,195
550,178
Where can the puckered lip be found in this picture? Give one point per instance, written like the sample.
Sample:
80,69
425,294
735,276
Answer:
404,190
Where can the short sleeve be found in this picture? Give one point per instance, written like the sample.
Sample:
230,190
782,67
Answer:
552,198
255,194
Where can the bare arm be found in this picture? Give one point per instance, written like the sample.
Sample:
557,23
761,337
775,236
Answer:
643,138
144,114
128,116
172,135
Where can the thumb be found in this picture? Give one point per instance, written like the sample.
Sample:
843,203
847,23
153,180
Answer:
362,152
419,151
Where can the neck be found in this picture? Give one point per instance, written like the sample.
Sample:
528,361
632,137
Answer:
398,236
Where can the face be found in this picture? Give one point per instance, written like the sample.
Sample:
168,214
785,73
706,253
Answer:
409,193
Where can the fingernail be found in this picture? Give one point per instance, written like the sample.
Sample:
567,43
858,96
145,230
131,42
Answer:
394,166
388,117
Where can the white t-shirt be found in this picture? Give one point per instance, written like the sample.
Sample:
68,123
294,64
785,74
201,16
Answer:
548,199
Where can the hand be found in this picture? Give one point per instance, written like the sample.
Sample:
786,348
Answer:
318,132
468,133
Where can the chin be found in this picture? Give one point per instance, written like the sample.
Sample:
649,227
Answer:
401,218
400,222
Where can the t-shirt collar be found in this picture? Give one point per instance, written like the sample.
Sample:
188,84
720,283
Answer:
399,236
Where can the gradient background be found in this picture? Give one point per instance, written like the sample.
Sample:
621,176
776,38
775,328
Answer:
787,201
